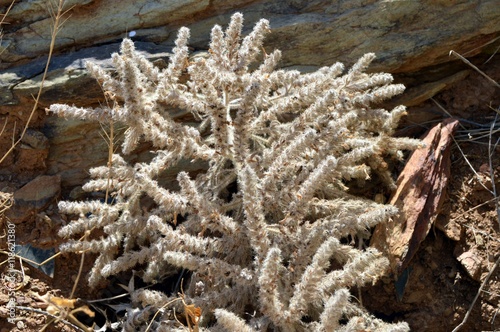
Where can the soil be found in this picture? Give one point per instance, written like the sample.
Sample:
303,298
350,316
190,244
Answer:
444,276
441,289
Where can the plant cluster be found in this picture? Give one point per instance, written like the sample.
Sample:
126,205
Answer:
268,229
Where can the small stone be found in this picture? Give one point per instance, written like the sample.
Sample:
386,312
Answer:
77,194
33,197
35,139
482,182
471,263
479,240
484,168
450,228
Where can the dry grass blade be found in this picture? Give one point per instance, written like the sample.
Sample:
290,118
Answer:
38,311
475,68
192,313
58,20
59,309
65,309
6,201
2,21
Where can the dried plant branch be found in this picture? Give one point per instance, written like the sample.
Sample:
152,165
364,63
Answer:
260,226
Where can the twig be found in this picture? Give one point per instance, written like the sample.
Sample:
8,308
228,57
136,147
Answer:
29,260
477,69
473,208
50,315
7,12
471,167
57,24
73,290
483,45
446,111
492,173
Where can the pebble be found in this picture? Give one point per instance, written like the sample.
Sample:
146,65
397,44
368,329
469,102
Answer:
471,263
33,197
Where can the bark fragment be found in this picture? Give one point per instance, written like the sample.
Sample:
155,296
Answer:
419,196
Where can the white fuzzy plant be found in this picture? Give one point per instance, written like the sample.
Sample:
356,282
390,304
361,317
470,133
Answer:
264,229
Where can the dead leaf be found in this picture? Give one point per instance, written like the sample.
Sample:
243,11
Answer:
192,314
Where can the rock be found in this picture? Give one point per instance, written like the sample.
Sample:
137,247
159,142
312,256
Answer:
67,80
30,160
75,147
450,228
471,262
91,22
420,193
32,153
34,197
308,32
423,92
33,139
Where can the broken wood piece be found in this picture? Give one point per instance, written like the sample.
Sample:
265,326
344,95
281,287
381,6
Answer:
419,196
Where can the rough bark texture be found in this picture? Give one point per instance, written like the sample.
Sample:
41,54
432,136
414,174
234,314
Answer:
421,190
